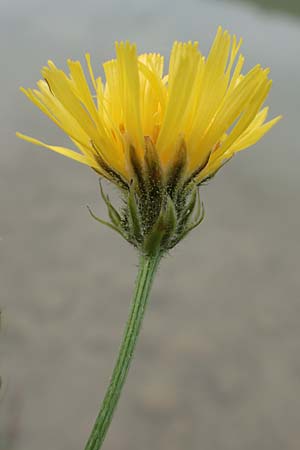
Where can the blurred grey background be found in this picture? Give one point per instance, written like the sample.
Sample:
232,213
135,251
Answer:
218,363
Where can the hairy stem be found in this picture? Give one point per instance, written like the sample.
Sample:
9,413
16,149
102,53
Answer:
147,269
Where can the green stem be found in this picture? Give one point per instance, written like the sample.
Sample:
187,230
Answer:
147,269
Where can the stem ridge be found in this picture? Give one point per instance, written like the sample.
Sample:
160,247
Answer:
147,269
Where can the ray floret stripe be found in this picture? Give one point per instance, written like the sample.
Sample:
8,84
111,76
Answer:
208,102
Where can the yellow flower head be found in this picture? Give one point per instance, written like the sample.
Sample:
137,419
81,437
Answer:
181,125
207,102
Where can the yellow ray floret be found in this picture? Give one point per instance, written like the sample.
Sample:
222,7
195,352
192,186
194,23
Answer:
207,102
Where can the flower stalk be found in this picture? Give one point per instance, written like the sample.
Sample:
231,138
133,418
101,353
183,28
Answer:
147,268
